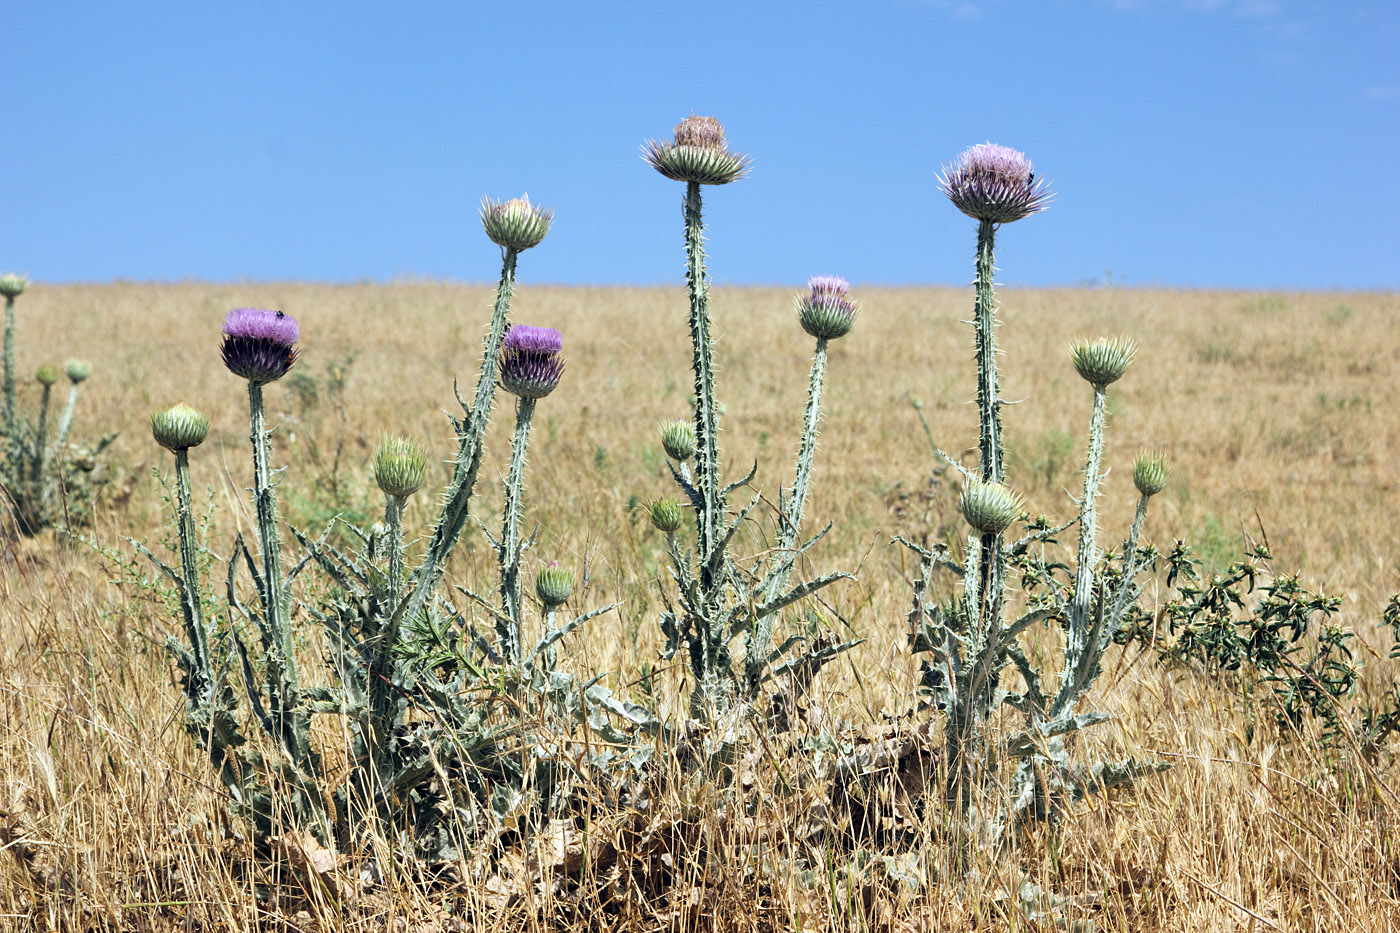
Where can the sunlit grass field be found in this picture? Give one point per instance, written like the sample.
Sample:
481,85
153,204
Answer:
1277,412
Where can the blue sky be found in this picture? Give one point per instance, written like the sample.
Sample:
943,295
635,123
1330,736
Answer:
1212,143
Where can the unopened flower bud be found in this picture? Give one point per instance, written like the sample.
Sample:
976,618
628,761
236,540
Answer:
1102,361
678,440
12,286
400,464
47,374
515,224
1150,472
77,370
179,428
990,507
554,585
666,515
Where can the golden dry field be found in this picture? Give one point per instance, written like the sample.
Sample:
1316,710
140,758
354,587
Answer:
1277,412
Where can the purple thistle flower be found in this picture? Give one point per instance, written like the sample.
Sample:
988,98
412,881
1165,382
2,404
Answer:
827,313
996,183
260,345
532,360
828,286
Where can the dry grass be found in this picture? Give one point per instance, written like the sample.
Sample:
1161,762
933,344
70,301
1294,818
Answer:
1276,410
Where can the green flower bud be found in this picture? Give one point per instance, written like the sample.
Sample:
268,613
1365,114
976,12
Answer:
400,464
12,286
1150,472
46,375
554,585
77,370
678,440
179,428
990,507
666,515
516,224
1102,361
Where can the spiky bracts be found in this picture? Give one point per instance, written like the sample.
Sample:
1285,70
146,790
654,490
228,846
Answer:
994,183
400,465
678,440
1102,361
1151,472
515,224
826,311
532,361
12,286
554,585
990,507
260,345
179,427
698,153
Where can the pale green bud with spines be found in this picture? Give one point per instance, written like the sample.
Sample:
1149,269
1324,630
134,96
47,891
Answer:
47,374
554,585
1102,360
179,428
990,507
400,464
515,224
1151,472
77,370
678,440
12,286
666,515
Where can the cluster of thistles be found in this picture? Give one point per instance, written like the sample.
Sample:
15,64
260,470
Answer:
260,345
532,360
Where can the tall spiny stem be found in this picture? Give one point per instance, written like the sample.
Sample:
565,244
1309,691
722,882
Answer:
65,424
393,533
1078,637
510,536
190,599
988,401
41,439
281,656
711,514
472,429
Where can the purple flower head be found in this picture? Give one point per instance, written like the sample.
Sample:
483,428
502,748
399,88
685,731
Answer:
991,182
827,313
828,286
532,361
263,324
534,339
260,345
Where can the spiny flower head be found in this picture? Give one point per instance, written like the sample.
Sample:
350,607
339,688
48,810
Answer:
532,361
825,312
666,515
554,585
77,370
1150,472
990,507
179,428
12,286
260,345
47,374
996,183
400,463
678,440
698,153
1103,360
515,224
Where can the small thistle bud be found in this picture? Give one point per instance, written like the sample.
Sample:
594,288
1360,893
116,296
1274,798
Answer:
77,370
515,224
826,312
666,515
260,345
1150,472
1102,361
532,361
990,507
12,286
678,440
400,463
554,585
698,153
47,374
991,182
179,428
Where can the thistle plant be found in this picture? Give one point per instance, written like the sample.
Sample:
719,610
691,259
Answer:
972,640
532,363
43,483
718,600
